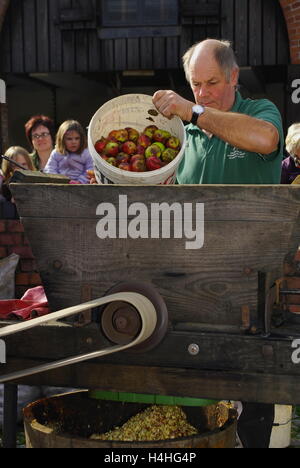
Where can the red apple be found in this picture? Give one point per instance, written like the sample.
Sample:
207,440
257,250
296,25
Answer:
100,145
173,142
153,150
140,149
149,131
129,147
111,148
159,136
112,161
160,145
112,136
122,158
168,155
137,156
153,163
138,165
144,141
121,135
133,134
125,166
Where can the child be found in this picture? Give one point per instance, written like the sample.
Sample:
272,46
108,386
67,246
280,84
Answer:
291,165
20,156
71,156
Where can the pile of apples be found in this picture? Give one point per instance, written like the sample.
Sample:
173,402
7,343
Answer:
130,150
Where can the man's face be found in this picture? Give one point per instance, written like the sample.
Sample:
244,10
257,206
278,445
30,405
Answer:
209,84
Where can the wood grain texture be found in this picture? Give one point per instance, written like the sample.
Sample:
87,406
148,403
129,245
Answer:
247,230
61,35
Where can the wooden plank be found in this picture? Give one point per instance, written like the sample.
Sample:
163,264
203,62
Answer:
193,293
241,31
135,32
217,351
146,53
107,55
159,53
133,54
228,15
81,51
172,53
120,47
5,58
43,36
30,37
37,177
283,50
255,32
250,203
17,37
94,52
252,387
269,34
75,15
68,51
200,8
55,39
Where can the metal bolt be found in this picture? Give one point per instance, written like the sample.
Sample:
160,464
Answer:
193,349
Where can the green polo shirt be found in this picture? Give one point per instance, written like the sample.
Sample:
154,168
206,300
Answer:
213,161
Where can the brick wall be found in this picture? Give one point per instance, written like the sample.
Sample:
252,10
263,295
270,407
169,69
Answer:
291,10
13,240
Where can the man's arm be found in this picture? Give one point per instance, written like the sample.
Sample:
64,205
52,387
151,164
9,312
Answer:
244,132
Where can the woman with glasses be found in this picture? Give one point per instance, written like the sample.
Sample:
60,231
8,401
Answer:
40,133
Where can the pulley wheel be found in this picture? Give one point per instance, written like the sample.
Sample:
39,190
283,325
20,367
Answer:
121,322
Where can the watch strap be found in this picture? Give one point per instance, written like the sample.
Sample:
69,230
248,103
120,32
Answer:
194,118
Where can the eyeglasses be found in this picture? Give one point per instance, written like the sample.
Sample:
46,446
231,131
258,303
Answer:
37,136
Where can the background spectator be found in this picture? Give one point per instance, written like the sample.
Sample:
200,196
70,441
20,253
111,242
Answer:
40,133
291,165
71,156
19,155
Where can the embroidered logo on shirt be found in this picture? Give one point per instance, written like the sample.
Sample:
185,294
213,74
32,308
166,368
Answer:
236,154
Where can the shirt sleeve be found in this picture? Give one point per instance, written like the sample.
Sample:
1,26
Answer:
52,164
264,109
88,166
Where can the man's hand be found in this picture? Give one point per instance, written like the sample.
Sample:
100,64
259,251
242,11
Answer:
169,104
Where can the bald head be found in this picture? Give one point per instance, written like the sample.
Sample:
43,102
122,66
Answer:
207,50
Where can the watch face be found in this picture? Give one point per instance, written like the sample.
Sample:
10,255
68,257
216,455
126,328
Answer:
198,109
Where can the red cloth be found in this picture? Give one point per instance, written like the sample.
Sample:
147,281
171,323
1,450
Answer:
33,304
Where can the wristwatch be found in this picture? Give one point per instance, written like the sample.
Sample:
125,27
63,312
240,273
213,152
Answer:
197,111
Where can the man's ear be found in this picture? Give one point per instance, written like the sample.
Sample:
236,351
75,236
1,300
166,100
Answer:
235,74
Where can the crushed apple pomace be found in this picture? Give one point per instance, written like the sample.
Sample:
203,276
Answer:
155,423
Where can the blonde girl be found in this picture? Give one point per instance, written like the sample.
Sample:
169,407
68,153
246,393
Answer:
70,156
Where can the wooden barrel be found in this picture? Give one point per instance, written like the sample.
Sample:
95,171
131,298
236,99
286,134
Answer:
69,420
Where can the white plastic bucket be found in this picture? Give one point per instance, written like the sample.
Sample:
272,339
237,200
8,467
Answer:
281,434
132,110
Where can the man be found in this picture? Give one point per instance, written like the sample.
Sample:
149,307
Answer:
230,140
